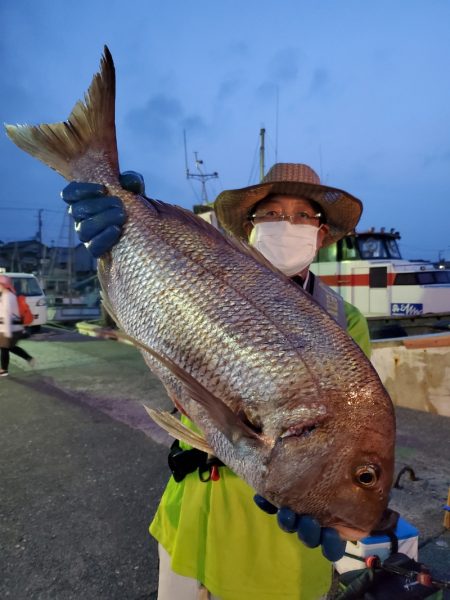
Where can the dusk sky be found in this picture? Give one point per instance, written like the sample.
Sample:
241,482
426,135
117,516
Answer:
358,90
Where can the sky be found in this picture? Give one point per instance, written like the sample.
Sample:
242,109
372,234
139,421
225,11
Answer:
357,89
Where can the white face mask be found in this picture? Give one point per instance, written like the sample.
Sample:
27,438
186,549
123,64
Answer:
290,248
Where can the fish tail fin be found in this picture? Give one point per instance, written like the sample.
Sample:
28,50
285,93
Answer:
74,147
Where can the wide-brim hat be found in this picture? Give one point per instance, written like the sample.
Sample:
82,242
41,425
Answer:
342,210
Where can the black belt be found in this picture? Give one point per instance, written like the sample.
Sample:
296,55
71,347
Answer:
182,462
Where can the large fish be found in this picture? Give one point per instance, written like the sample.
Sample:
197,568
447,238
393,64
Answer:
280,392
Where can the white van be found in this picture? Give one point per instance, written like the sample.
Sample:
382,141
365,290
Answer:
28,285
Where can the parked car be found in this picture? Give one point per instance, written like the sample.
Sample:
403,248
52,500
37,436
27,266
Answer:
28,285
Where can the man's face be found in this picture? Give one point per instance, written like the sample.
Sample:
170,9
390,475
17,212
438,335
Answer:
290,205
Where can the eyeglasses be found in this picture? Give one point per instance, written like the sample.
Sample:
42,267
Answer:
274,216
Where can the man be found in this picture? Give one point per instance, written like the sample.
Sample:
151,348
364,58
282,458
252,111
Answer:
212,531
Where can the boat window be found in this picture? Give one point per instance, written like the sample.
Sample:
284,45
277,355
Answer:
393,249
422,278
349,250
425,278
328,254
442,276
372,247
405,279
28,286
378,247
378,277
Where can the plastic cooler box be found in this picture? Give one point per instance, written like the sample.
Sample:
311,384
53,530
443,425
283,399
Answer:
380,545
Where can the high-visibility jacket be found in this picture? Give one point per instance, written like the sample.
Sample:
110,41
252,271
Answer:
215,533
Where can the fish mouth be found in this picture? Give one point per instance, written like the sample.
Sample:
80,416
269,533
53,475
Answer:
347,532
386,523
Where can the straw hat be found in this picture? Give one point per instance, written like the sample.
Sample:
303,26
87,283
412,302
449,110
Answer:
342,210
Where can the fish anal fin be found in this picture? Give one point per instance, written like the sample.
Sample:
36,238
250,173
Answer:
176,429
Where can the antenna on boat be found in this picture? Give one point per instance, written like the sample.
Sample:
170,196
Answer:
201,176
276,124
262,149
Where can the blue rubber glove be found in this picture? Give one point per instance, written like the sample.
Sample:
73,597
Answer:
99,218
308,529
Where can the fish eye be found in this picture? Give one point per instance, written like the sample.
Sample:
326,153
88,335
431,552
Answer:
366,476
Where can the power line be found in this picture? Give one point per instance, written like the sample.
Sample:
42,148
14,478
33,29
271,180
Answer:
21,208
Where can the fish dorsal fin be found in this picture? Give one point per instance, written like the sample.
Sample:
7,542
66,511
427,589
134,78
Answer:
176,429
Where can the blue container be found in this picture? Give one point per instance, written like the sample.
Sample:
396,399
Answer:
380,545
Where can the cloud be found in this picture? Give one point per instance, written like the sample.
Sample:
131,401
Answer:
436,158
161,120
229,88
267,91
239,49
282,69
284,66
320,82
194,124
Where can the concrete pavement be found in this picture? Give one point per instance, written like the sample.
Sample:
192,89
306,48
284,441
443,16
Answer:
78,488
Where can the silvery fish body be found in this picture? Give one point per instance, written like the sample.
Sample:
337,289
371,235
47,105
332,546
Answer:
282,394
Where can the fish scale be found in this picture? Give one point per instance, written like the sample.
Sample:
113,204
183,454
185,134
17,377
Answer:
281,393
210,310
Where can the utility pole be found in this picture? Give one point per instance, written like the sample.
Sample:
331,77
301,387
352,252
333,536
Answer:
15,258
39,239
39,231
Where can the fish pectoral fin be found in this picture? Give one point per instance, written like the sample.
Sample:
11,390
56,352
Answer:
229,423
176,429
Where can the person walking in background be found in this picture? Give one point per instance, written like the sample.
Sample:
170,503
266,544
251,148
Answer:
11,327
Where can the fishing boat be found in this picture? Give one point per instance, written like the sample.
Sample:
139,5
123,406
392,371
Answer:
70,301
70,280
398,296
